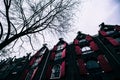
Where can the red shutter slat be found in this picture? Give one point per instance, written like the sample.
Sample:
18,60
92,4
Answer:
103,33
93,46
78,50
62,69
89,38
32,61
35,70
104,64
113,41
52,56
63,53
76,41
82,67
49,71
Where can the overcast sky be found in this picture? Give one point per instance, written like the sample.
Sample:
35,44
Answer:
92,13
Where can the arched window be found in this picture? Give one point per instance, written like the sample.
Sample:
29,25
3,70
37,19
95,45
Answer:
55,72
91,64
86,50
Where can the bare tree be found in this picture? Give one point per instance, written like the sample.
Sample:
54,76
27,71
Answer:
24,19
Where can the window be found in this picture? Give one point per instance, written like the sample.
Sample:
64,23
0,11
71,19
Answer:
83,40
86,50
91,64
110,32
118,39
55,72
61,46
42,51
58,55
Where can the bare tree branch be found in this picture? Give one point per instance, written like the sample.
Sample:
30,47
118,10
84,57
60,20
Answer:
26,18
1,29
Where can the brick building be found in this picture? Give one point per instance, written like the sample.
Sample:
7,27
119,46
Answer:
86,58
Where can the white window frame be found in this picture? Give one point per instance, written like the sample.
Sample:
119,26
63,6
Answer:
87,50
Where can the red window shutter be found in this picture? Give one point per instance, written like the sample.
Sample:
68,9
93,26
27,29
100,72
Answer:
32,61
62,69
103,33
76,41
104,64
78,50
82,67
55,48
113,41
89,38
41,58
63,53
52,56
93,46
65,45
49,71
34,73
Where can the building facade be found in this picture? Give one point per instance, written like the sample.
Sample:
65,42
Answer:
86,58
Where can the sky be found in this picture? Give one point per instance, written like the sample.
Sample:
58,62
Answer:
91,13
88,16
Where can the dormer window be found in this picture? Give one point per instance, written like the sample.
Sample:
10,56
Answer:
42,51
58,55
55,72
60,47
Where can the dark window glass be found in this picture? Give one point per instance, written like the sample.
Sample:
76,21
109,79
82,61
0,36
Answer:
55,72
92,64
58,55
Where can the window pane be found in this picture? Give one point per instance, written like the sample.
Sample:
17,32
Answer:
83,40
61,46
92,64
55,72
58,56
